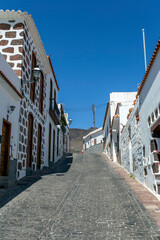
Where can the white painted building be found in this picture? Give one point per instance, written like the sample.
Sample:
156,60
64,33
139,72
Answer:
140,142
21,46
52,118
93,138
63,132
10,98
115,118
149,113
131,145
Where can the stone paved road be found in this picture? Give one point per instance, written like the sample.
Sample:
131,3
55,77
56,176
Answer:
84,199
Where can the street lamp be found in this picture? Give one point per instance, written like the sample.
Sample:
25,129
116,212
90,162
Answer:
36,73
10,111
70,121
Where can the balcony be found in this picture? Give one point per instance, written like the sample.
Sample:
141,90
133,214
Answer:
54,112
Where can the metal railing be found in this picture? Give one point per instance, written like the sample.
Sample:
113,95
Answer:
54,106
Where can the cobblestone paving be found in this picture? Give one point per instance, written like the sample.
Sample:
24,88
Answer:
89,201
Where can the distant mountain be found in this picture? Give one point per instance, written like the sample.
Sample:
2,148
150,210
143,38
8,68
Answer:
76,138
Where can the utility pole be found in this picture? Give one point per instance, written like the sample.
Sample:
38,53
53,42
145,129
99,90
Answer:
144,46
94,110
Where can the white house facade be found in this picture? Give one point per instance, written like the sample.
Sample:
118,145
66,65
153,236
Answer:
52,118
140,138
21,46
149,113
93,138
131,145
10,98
114,120
63,132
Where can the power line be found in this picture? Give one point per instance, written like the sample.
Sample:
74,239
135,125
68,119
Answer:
94,111
85,109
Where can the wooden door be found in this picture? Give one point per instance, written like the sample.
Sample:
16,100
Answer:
53,145
95,141
39,146
5,147
30,140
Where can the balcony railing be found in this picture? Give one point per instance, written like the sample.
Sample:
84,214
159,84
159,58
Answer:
54,106
54,111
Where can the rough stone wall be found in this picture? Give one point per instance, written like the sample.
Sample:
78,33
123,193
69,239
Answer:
16,45
11,43
131,146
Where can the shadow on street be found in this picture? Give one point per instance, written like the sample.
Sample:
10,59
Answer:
59,168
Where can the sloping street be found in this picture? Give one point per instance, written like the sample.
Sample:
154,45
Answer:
82,198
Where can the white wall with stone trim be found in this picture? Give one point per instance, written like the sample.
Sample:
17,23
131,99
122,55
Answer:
16,45
150,101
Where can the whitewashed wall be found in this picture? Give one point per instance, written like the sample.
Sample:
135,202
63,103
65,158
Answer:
88,140
8,97
50,121
131,146
149,101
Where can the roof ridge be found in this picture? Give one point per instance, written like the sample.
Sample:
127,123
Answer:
12,11
149,67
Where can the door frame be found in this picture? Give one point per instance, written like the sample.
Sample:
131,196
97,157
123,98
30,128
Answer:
53,155
9,124
29,161
39,146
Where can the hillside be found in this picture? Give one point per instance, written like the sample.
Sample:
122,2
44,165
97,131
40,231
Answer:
76,138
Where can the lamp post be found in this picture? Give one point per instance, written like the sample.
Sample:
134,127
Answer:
70,121
10,111
36,73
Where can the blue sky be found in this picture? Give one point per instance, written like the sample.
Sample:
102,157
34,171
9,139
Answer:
96,48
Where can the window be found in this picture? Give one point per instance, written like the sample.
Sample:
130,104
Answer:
55,95
144,151
149,121
41,93
32,86
129,132
156,112
50,93
152,117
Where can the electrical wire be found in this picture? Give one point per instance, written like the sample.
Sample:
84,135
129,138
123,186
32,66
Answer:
85,109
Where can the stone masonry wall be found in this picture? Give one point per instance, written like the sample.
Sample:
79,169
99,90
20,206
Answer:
11,43
131,146
16,45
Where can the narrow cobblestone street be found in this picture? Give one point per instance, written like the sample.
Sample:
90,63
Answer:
83,198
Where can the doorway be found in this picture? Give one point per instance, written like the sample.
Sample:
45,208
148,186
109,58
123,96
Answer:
5,148
53,145
39,146
30,140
